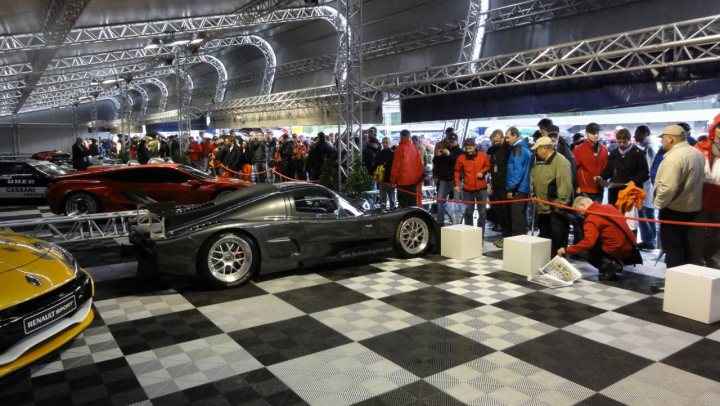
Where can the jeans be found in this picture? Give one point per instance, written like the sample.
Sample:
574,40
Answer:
674,238
260,167
387,194
477,196
444,187
648,231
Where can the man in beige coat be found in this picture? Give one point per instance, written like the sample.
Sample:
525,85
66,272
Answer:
678,193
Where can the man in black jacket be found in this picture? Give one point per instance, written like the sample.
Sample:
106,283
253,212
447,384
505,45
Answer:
444,171
286,154
79,155
626,163
384,158
499,154
320,151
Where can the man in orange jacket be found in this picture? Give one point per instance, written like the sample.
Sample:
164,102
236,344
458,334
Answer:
407,171
471,167
608,243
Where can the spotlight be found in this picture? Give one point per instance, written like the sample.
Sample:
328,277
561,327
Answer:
153,44
109,81
178,42
198,38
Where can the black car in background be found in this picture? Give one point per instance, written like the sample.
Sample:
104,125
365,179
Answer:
268,228
26,179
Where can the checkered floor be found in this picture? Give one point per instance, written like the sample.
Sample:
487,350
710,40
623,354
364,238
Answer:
426,331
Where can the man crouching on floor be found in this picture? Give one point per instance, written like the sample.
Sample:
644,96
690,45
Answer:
608,244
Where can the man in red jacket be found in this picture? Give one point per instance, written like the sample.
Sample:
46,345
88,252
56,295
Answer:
472,167
608,243
407,171
591,157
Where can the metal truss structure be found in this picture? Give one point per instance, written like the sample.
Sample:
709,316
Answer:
421,38
219,68
676,44
535,11
82,81
75,228
143,96
163,91
60,18
348,77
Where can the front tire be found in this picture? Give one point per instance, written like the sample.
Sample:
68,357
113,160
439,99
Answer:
412,236
223,193
81,203
228,260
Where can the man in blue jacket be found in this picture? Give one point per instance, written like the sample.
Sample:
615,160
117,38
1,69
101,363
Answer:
518,179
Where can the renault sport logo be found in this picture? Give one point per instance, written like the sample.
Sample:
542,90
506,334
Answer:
33,280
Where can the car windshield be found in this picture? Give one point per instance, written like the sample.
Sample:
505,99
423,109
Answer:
350,209
48,168
195,172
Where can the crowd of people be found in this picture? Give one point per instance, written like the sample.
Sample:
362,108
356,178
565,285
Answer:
679,181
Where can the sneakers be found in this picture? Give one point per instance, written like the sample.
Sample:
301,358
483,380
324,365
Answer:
498,243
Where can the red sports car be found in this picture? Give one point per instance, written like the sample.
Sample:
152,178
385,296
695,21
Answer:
118,188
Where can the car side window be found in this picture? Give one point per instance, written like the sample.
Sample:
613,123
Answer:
314,202
14,169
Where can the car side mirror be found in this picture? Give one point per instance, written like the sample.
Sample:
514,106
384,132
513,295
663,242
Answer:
194,183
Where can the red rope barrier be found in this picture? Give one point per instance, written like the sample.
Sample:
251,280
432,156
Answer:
535,199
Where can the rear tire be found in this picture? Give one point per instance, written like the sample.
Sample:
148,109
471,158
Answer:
81,203
228,259
413,236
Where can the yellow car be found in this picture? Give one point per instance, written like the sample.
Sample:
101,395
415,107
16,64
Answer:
45,300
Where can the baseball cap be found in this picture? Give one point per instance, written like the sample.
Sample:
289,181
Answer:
452,137
469,141
542,141
673,129
553,129
592,128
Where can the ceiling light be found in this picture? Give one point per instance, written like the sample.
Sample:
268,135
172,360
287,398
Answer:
109,81
153,44
198,39
178,42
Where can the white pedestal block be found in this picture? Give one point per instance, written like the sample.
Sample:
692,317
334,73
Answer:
525,254
693,291
461,242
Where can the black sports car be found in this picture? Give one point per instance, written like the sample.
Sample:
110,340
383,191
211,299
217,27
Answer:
274,227
26,179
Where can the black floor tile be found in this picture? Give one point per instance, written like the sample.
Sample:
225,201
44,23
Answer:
288,339
516,279
110,382
431,302
586,362
633,281
16,388
136,285
321,297
599,400
434,274
200,295
650,309
259,387
340,273
701,358
549,309
155,332
418,393
426,349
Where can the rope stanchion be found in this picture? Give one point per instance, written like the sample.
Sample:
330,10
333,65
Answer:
244,174
528,199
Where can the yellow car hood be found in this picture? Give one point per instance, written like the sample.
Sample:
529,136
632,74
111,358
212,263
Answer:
21,257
